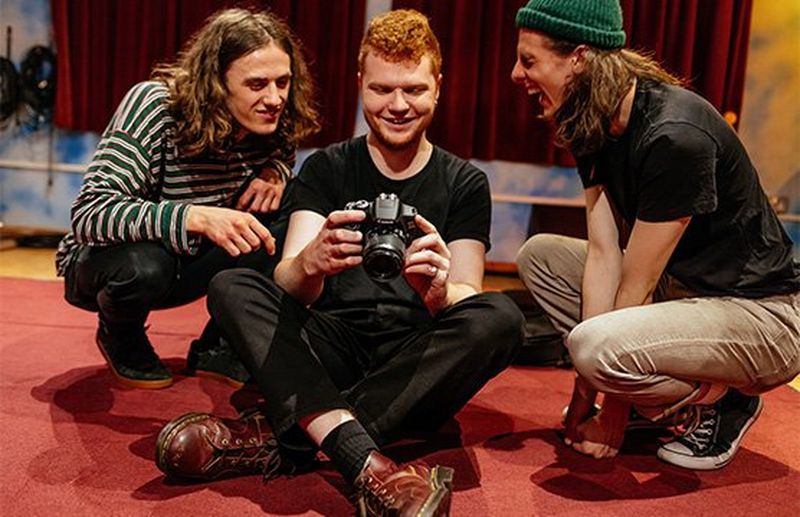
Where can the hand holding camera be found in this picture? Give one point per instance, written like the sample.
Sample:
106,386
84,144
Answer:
388,228
397,239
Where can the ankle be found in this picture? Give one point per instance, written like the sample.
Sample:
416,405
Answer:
349,447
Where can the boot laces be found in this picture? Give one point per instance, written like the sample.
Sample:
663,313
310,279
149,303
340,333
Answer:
264,456
262,452
378,498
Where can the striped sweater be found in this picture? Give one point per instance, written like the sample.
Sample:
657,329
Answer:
139,188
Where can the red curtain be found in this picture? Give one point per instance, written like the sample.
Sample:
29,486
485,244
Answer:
105,47
703,41
482,114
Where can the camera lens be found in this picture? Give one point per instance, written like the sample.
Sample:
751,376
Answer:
383,256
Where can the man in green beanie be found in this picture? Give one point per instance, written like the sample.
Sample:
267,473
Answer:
699,312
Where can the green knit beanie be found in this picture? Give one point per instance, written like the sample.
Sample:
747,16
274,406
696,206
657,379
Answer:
595,22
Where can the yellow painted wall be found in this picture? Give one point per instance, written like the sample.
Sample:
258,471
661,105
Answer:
770,119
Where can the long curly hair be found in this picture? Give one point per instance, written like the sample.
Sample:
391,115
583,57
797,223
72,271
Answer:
196,81
592,97
401,35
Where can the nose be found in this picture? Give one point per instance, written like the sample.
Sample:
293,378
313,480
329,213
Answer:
517,75
271,95
398,101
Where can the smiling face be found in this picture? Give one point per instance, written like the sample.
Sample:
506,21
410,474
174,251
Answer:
543,72
398,100
258,88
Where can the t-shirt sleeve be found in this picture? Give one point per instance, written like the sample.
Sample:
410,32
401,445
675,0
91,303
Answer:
313,188
472,213
587,171
677,177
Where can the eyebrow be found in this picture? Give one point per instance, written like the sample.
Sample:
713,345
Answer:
421,84
253,80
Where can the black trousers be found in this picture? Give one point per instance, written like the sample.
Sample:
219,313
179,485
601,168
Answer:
306,361
124,282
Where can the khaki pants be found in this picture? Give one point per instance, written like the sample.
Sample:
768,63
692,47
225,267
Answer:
659,356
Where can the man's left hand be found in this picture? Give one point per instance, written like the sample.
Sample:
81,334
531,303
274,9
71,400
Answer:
263,194
427,266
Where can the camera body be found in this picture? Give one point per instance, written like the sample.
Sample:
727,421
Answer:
388,229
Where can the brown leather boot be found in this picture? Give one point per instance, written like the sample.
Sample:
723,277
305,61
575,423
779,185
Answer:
414,489
202,446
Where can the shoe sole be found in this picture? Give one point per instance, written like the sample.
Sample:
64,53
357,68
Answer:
127,381
438,503
690,462
230,381
168,433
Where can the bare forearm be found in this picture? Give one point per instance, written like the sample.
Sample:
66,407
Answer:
647,255
637,283
457,292
291,276
601,280
607,288
603,270
632,292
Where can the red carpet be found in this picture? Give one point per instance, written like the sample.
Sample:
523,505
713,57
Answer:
75,444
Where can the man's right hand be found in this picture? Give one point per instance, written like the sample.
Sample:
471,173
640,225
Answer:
336,247
315,248
234,231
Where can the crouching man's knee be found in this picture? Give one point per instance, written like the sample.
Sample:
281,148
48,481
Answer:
589,346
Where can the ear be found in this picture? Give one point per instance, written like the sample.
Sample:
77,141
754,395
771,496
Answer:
360,80
578,58
438,87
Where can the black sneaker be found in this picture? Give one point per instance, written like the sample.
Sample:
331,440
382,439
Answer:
131,358
713,433
216,360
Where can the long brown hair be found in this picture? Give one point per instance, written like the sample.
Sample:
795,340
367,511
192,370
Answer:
592,97
196,81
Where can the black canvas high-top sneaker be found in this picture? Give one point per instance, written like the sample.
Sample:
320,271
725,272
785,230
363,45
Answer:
713,433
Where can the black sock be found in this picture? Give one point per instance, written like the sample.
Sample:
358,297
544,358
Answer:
348,446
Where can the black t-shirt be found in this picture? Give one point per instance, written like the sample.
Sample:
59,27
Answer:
678,157
449,192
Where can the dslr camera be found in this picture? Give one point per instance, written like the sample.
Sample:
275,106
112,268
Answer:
388,228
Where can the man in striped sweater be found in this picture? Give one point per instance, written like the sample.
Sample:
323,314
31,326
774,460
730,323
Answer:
184,181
